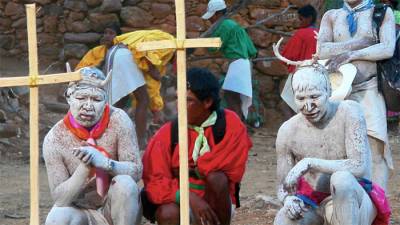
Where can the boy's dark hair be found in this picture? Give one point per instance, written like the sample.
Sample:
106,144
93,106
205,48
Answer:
308,11
115,27
204,85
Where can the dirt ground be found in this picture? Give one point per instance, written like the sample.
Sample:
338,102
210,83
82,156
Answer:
259,178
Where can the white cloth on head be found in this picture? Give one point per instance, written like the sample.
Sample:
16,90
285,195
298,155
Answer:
374,108
126,75
287,94
238,79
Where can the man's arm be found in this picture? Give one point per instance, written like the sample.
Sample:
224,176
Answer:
285,160
385,48
64,189
128,162
327,48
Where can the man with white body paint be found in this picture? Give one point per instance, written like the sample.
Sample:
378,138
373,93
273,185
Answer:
321,152
92,159
349,35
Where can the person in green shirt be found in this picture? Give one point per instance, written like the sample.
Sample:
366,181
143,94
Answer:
238,48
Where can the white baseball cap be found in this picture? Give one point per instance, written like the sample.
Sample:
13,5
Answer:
213,6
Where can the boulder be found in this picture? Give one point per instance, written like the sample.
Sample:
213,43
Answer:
131,2
5,23
50,24
136,17
195,24
168,28
53,10
84,38
99,21
282,20
160,10
49,51
273,68
260,38
75,16
76,5
109,6
45,38
75,51
79,26
21,34
14,9
20,23
7,42
43,2
93,3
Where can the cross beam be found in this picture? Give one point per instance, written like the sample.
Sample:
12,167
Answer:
181,43
34,80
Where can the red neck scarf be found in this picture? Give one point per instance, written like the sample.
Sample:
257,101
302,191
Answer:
83,133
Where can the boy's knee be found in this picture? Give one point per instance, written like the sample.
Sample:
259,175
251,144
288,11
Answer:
217,181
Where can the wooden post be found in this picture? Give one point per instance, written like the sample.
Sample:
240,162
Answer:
33,81
181,43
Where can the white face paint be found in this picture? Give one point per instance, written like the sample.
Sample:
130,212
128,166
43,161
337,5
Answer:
312,103
311,91
87,105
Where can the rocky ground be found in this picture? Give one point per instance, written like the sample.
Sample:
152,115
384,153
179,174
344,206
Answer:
259,204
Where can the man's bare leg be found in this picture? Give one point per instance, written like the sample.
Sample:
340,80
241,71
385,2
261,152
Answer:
217,196
168,214
66,216
351,205
380,169
123,200
233,102
142,98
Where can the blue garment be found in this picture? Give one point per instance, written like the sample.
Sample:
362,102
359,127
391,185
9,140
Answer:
352,22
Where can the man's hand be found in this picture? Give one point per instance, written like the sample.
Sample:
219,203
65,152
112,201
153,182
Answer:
335,62
294,207
295,173
202,211
91,156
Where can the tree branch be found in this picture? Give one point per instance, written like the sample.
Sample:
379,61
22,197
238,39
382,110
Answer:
261,22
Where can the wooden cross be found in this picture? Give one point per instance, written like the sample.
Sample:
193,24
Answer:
181,43
33,81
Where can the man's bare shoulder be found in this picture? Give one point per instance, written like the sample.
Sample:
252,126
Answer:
333,12
120,119
55,133
289,127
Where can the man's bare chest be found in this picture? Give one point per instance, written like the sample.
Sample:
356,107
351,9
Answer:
340,25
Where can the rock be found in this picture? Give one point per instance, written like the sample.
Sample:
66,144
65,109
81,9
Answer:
56,107
75,16
7,42
168,28
14,9
260,38
99,21
136,17
160,10
110,6
273,68
49,51
5,23
50,24
84,38
267,4
300,3
240,20
195,23
132,2
53,10
76,5
43,2
73,63
282,20
75,50
93,3
20,23
3,117
79,26
8,130
263,201
45,38
21,34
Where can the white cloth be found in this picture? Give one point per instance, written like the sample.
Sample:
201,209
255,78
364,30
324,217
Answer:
126,76
287,94
238,79
374,108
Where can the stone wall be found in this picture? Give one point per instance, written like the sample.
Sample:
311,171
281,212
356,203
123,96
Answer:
67,29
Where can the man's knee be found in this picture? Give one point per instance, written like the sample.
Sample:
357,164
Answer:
168,214
342,182
65,216
217,182
124,185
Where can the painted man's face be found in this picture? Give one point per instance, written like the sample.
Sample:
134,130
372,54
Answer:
87,106
312,103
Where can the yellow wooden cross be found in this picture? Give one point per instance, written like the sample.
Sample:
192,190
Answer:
181,43
33,81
